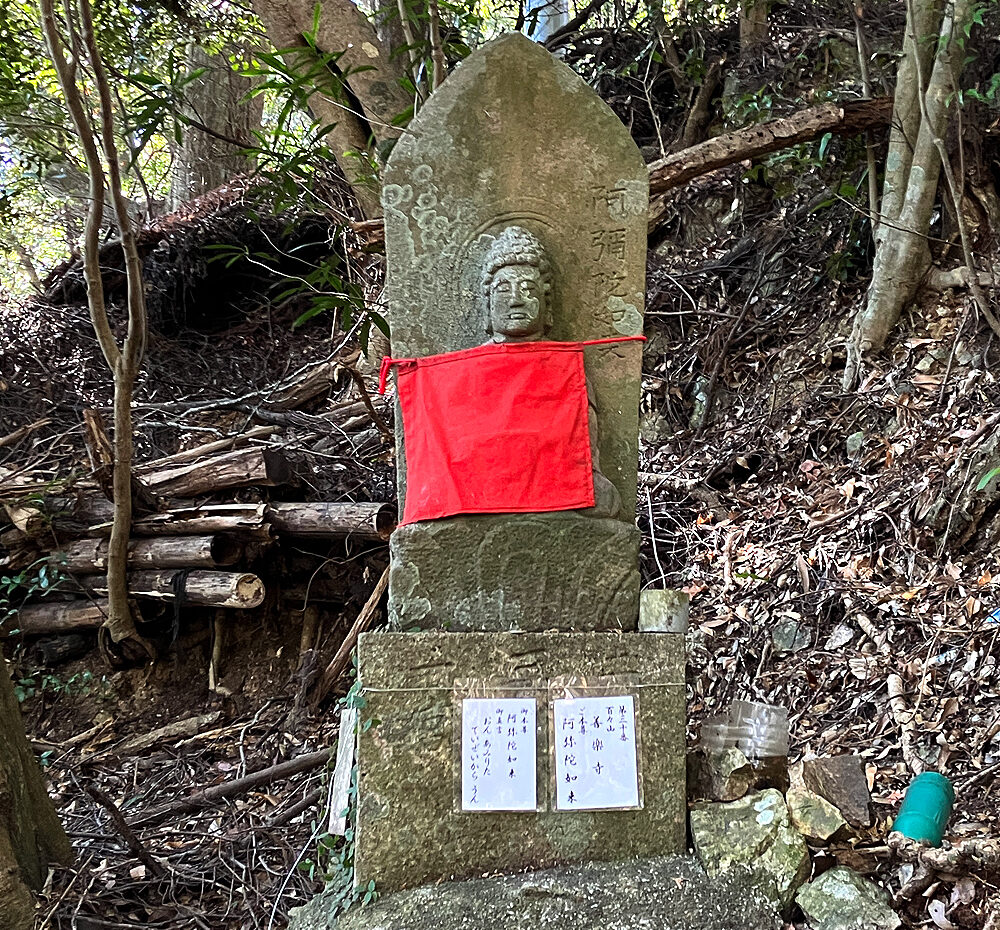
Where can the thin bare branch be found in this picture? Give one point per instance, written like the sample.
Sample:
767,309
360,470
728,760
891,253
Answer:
66,74
437,49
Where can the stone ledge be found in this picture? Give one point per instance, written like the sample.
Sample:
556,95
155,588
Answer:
515,572
663,893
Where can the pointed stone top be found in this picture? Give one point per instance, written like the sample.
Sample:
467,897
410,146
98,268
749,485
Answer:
513,137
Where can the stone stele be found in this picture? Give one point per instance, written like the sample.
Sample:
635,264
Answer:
515,139
409,831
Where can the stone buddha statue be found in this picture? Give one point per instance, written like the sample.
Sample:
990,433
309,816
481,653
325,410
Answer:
517,283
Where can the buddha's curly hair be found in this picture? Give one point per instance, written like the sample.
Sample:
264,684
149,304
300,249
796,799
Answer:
516,246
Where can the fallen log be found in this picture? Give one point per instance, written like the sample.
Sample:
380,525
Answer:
91,516
19,434
245,519
133,843
20,550
240,590
367,521
58,617
241,468
209,448
177,729
88,556
847,118
310,383
60,649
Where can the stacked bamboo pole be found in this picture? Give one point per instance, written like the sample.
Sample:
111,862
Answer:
189,551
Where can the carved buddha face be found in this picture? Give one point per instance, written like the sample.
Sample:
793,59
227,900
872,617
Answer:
516,285
516,300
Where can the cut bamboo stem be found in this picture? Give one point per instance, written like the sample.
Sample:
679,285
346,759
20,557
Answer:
240,590
87,556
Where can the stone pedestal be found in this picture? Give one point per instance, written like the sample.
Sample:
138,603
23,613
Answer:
642,894
409,831
529,572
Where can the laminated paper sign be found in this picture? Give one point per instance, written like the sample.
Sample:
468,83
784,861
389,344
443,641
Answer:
498,754
596,763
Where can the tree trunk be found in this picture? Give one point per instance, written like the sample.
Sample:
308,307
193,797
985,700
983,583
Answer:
753,25
913,166
121,624
364,112
123,360
30,833
223,122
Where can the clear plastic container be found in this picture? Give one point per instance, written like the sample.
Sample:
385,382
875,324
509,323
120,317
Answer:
716,734
759,731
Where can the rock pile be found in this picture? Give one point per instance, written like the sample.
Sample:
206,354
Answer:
769,832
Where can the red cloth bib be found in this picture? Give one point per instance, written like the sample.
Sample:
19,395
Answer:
501,428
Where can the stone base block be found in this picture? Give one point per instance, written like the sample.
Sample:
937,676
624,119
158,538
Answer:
665,894
409,832
527,572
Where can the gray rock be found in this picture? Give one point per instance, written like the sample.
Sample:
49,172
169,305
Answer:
841,780
813,816
788,636
843,900
719,774
755,833
410,831
665,894
655,428
518,572
855,442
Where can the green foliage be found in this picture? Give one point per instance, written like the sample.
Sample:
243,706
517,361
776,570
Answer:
323,287
82,684
990,95
15,590
749,108
987,478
